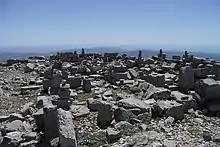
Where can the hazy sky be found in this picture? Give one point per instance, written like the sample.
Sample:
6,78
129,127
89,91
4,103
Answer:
109,22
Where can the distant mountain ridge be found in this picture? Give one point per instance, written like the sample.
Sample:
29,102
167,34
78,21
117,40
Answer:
145,53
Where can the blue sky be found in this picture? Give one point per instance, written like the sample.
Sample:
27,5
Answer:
109,22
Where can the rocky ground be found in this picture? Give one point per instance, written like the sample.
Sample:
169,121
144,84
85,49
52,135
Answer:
129,109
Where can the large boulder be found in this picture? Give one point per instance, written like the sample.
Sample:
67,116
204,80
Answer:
208,89
186,79
105,114
171,108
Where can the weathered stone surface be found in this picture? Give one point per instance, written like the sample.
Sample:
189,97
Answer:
122,114
133,73
179,96
207,136
1,91
67,134
29,144
130,63
158,94
13,126
169,143
105,114
208,88
39,119
39,103
186,79
46,83
94,104
3,118
15,116
126,128
112,135
30,136
27,109
50,120
26,127
29,67
55,142
64,91
87,85
119,69
31,87
145,117
74,82
143,139
169,121
79,110
202,72
120,76
213,107
172,108
130,103
81,69
157,80
12,139
56,80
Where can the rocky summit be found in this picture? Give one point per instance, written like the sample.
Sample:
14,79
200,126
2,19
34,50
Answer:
110,100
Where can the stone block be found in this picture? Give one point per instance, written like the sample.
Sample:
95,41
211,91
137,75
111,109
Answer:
67,136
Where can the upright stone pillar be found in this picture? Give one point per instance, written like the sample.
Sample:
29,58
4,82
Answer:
50,120
67,135
140,55
55,84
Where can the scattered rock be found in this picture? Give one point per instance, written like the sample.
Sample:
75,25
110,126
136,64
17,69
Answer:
112,135
207,136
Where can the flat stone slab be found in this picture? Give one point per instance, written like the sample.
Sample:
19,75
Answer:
79,110
31,87
130,103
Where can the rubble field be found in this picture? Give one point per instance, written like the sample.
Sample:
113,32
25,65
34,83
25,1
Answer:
110,100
